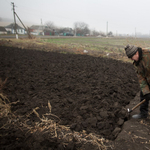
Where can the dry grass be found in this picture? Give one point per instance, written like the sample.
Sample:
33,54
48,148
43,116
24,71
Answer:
64,133
49,126
4,106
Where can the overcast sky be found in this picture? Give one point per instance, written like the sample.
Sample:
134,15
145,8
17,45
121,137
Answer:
123,16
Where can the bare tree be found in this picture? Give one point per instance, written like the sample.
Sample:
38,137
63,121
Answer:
95,33
50,25
110,34
81,28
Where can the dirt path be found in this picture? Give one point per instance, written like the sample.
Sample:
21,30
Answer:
84,93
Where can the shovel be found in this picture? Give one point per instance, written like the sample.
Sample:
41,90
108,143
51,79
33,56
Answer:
129,111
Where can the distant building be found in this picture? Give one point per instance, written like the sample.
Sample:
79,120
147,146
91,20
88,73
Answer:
68,32
11,29
42,30
48,31
37,29
45,30
3,30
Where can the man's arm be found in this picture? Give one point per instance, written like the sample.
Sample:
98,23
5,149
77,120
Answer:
143,84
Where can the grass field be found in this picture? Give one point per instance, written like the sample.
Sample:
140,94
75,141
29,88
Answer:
105,47
103,44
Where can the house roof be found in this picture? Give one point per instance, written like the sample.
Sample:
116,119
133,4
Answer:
12,26
37,27
2,29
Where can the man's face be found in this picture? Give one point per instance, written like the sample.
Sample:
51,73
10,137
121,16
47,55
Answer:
136,56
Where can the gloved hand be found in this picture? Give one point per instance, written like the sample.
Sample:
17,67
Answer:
147,97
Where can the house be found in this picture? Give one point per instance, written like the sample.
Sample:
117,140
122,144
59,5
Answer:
3,30
45,30
42,30
48,31
37,29
11,29
67,31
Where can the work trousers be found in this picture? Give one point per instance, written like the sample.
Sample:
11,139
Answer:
144,106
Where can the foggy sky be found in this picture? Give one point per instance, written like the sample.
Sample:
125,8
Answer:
123,16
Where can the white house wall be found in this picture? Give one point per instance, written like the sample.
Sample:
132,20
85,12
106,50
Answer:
19,31
2,32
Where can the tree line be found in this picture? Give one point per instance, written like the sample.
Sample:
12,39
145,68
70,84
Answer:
79,28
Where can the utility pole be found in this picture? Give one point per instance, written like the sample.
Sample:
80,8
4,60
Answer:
107,29
41,25
15,20
24,26
15,14
135,32
75,32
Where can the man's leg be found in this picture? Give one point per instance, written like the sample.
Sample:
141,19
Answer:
144,106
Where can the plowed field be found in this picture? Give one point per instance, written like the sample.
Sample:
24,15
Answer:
82,92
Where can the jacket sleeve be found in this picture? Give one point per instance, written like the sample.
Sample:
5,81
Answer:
143,71
143,74
143,84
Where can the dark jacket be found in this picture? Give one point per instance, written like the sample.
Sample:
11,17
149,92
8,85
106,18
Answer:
143,70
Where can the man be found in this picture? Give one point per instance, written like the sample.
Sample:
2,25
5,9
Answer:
141,58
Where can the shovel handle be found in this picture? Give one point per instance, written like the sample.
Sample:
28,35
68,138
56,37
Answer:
138,104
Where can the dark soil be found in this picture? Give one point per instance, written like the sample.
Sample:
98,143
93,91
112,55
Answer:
85,93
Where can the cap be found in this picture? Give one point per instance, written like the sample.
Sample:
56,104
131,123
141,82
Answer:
130,50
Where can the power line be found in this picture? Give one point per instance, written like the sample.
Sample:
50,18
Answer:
35,12
7,1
